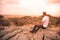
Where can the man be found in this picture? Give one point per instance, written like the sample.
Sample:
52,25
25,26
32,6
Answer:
43,25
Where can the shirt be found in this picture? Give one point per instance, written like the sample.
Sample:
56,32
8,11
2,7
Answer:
45,21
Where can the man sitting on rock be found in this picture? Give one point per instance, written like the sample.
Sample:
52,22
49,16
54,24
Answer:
43,25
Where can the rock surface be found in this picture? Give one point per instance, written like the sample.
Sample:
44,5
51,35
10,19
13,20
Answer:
23,33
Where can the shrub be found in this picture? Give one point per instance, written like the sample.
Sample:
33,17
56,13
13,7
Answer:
57,22
4,23
1,16
17,21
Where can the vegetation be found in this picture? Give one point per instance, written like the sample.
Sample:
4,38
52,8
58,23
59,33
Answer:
27,20
1,16
17,22
4,22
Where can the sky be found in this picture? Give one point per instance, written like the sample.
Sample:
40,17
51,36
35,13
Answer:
29,7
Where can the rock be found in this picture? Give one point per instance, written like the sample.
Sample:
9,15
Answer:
23,33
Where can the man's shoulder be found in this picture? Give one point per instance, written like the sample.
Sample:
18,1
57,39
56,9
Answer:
47,16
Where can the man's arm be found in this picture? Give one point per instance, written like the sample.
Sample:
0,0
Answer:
42,22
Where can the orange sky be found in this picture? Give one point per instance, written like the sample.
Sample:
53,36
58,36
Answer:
30,7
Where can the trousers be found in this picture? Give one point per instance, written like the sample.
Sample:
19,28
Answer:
37,27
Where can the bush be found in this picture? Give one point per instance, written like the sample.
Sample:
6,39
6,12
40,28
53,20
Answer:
4,23
1,16
57,22
25,20
17,22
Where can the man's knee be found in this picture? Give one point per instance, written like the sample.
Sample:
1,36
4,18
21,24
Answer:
36,26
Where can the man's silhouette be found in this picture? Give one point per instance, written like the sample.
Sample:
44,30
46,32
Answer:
43,25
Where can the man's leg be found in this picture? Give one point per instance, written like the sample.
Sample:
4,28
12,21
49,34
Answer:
35,27
39,26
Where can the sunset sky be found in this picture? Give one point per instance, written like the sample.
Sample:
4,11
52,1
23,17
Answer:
29,7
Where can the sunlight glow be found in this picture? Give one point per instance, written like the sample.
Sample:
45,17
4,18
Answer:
51,9
34,6
28,7
37,6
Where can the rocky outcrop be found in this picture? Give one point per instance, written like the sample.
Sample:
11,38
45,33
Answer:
23,33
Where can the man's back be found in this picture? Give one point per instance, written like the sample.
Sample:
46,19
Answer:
45,20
